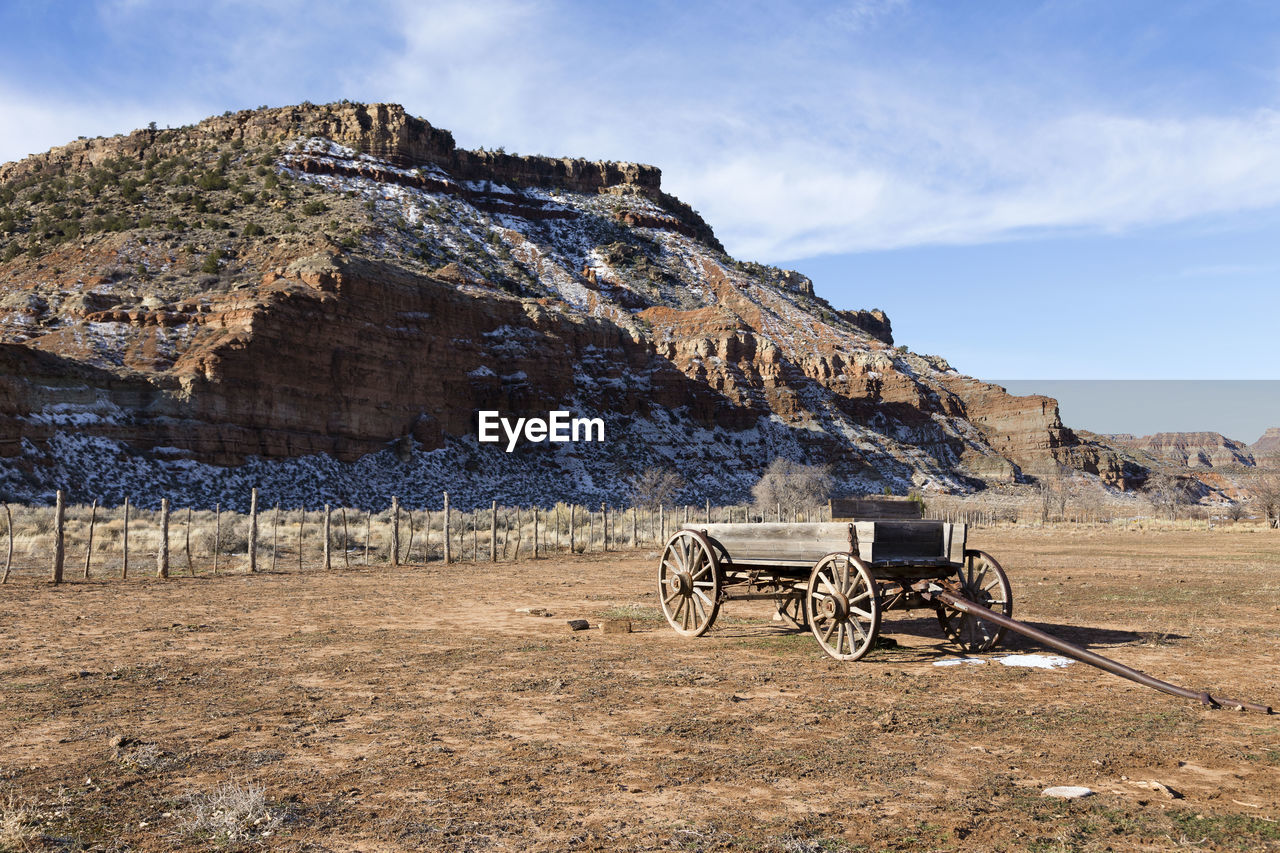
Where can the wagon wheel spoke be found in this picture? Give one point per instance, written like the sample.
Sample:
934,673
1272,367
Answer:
702,597
682,556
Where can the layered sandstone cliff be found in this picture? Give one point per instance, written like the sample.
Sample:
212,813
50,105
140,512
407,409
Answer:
319,299
1200,450
1268,445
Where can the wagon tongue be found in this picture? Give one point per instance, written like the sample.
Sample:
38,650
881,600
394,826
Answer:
933,591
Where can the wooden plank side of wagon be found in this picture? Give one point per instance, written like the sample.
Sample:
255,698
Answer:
779,543
899,542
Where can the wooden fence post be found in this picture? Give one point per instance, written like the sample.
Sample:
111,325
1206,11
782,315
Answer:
395,530
124,568
493,532
8,559
368,531
275,536
253,529
346,541
59,543
708,511
604,524
573,511
88,551
186,547
408,551
535,533
162,555
591,530
327,564
217,535
302,517
448,554
634,542
662,524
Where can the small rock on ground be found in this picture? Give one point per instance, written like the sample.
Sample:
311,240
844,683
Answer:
1068,792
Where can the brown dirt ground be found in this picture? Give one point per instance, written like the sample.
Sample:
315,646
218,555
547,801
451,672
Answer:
405,709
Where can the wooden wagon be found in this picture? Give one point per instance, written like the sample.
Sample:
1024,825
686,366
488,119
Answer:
835,578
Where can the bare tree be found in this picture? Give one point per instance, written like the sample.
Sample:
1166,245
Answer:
656,487
792,485
1264,488
1167,493
1053,490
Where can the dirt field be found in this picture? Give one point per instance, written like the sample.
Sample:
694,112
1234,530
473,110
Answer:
415,709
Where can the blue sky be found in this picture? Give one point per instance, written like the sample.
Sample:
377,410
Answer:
1084,190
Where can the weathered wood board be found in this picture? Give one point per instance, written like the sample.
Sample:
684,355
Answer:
801,544
860,509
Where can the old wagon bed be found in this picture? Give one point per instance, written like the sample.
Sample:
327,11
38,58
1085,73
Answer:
885,544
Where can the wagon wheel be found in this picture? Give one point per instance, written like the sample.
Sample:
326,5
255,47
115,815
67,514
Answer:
791,610
689,583
982,581
843,606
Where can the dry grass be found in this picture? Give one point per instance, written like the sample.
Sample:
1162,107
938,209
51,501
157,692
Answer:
18,832
232,812
227,534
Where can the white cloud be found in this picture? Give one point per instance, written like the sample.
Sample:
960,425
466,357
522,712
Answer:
793,198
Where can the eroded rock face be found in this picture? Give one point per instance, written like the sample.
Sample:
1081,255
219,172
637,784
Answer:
469,281
1268,445
384,131
1197,450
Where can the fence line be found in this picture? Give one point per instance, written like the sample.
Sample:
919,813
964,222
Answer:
105,539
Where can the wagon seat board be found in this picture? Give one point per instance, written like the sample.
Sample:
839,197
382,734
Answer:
890,547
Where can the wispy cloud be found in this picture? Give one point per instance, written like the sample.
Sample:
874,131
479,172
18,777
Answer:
795,197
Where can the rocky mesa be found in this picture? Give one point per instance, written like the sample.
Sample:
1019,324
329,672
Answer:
318,299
